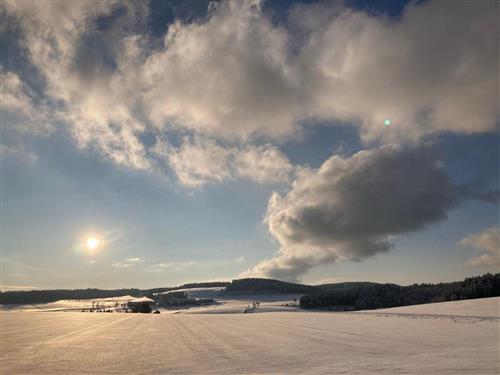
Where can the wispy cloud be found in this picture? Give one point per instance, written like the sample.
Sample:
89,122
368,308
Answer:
179,266
173,266
18,152
488,241
21,111
202,160
127,263
5,287
328,280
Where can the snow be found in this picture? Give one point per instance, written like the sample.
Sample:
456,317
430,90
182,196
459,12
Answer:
472,307
141,299
392,341
73,304
228,304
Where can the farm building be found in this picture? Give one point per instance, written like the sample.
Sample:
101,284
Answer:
140,305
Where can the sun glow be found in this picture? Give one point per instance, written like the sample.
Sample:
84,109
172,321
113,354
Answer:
92,243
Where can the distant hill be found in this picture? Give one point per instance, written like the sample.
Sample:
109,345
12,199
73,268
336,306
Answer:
364,296
337,296
268,286
210,284
239,286
344,286
45,296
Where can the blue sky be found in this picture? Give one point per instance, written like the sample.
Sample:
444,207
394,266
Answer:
201,141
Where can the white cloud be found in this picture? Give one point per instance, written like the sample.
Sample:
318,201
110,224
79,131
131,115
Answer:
173,266
180,266
5,288
488,241
227,76
21,113
328,280
200,161
428,72
127,263
349,208
239,77
20,153
94,98
22,116
197,163
263,164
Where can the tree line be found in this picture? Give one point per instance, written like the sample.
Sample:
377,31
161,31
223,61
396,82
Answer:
256,285
45,296
375,296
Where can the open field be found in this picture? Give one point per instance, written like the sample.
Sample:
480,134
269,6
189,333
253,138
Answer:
449,338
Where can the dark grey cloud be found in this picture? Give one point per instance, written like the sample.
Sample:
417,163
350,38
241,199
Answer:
489,196
350,208
473,190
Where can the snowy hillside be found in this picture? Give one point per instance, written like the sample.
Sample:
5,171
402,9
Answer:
392,341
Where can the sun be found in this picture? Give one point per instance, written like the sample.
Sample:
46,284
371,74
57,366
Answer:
92,243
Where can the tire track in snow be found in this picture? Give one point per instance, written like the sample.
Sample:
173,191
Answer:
221,343
455,318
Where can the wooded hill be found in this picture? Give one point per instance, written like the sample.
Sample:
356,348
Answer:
373,296
337,296
44,296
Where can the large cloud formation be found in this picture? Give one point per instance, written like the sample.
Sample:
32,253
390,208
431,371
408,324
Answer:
349,208
85,71
239,76
488,241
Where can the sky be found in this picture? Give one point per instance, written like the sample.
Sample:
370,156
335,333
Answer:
154,143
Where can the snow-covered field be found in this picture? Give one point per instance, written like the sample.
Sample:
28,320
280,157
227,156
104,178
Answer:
225,304
447,338
71,305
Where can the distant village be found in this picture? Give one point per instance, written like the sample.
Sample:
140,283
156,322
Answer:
150,304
